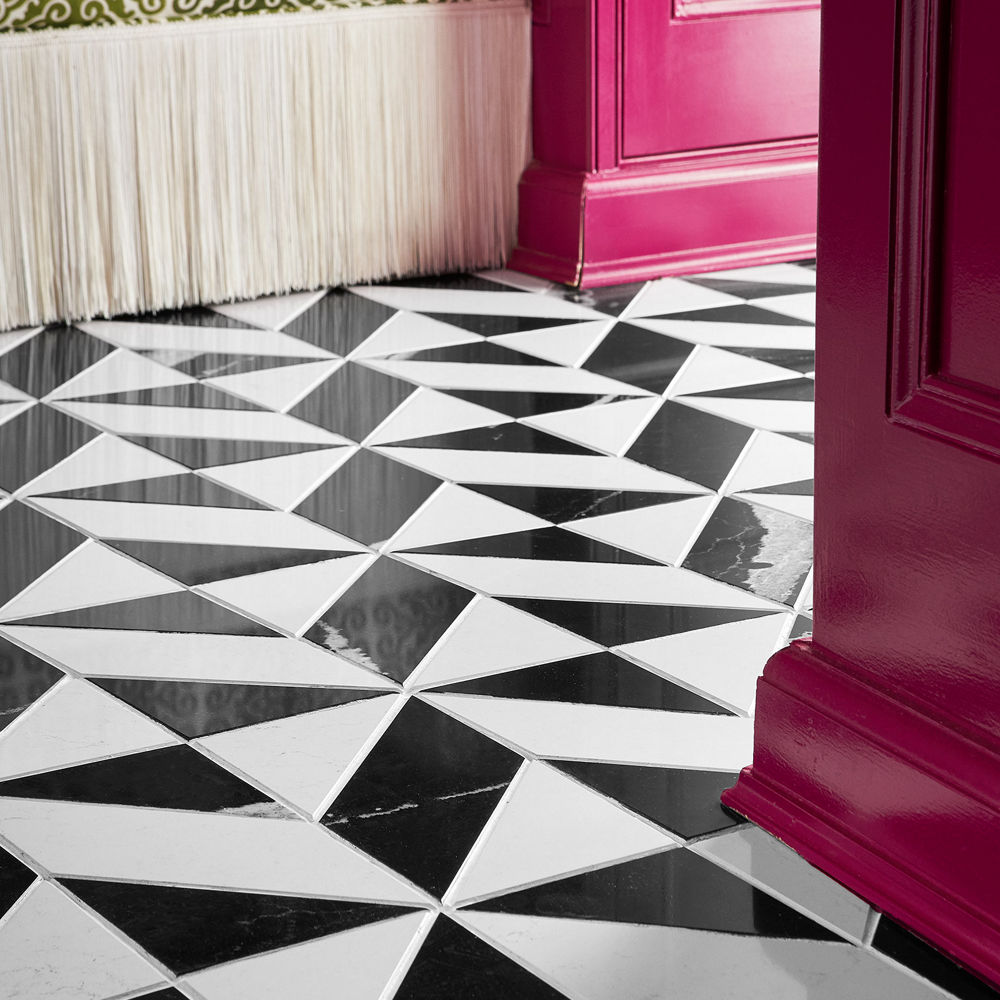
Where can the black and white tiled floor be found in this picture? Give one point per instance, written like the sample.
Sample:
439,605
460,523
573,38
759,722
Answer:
397,642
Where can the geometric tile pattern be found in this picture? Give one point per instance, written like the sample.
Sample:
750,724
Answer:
398,641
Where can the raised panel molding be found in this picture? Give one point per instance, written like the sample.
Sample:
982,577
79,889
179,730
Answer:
718,8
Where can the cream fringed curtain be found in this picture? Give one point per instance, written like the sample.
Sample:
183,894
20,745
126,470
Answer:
155,166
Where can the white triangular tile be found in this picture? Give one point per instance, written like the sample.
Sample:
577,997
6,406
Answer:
710,368
790,503
801,306
781,274
88,576
799,338
608,427
120,371
276,388
271,312
408,332
662,532
568,344
51,948
282,481
353,965
723,661
767,414
291,597
493,637
455,513
195,657
105,460
428,412
549,826
772,459
450,300
302,757
9,393
73,723
671,295
10,410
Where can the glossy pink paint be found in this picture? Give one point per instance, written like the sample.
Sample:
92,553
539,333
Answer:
669,136
877,748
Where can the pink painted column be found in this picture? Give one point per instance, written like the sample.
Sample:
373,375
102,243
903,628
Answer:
670,136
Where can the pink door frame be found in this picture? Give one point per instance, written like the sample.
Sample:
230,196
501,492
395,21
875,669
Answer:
648,159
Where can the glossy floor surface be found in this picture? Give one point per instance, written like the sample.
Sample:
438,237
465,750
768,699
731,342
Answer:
398,641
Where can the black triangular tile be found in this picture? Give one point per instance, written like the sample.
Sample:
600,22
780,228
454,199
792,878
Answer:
187,489
563,504
188,316
742,313
685,802
639,357
804,437
35,440
202,708
203,453
192,395
14,879
166,994
369,497
45,361
610,299
501,437
595,679
539,543
799,361
191,929
674,888
685,442
179,612
454,281
454,963
423,794
531,404
196,564
494,326
618,624
480,352
390,617
339,322
802,488
32,544
801,389
175,777
353,401
802,626
24,678
750,289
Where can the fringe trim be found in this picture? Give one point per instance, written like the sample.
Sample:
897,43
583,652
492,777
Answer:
170,164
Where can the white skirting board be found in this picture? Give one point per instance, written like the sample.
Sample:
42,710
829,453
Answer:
167,164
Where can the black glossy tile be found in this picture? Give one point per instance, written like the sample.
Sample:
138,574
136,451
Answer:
390,617
742,313
800,361
611,299
540,543
201,708
617,624
32,543
685,442
801,389
453,964
685,802
898,943
35,440
456,281
353,401
756,548
190,929
49,358
562,505
193,395
530,404
203,453
597,679
339,322
216,365
807,438
802,626
639,357
750,289
174,777
501,437
369,497
195,564
674,888
187,316
24,678
480,352
423,795
494,326
14,879
190,490
179,612
802,488
167,994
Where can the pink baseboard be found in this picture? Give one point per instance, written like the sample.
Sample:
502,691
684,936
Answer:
682,215
896,806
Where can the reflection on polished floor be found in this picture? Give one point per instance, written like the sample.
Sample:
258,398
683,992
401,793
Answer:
397,642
